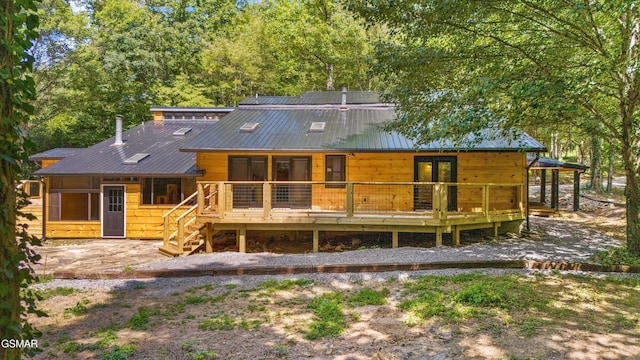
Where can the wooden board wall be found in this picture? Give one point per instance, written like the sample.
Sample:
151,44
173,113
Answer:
472,167
143,221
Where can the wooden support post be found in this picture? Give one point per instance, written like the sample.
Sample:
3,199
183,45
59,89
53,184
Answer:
200,198
438,236
349,199
543,186
266,199
437,205
166,231
180,236
576,191
209,238
394,239
456,236
485,200
222,199
242,240
444,201
495,229
316,240
555,179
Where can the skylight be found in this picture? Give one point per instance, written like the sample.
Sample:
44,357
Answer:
182,131
136,158
317,126
249,127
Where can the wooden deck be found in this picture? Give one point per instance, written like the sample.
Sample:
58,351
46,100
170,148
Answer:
408,207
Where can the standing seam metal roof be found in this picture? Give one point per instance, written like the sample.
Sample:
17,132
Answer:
356,129
153,138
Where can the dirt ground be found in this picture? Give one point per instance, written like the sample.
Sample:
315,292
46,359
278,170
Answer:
212,318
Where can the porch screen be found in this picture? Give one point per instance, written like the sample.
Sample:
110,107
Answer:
74,199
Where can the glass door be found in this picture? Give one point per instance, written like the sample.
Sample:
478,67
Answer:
291,169
434,169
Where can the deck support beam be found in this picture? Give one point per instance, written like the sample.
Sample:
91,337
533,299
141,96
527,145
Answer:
316,240
242,240
394,239
209,238
438,236
456,236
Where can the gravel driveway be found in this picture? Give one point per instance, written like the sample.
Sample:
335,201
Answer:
550,239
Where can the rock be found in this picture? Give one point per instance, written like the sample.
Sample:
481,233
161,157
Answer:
355,243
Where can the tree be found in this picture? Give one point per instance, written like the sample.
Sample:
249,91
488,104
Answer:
518,62
18,21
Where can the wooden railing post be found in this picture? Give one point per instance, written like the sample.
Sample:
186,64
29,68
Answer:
222,199
349,199
444,201
180,237
266,199
167,231
200,198
485,200
436,201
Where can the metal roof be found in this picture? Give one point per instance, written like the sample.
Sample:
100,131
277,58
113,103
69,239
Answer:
56,154
179,109
549,163
153,138
356,129
316,98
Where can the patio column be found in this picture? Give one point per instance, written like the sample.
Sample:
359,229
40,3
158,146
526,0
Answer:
543,186
576,191
555,179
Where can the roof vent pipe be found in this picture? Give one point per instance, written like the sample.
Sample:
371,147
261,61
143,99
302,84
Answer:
343,104
118,130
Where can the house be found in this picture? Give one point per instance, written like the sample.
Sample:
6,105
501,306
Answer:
321,162
121,187
324,162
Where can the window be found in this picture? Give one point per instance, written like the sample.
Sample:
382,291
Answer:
74,199
166,191
335,170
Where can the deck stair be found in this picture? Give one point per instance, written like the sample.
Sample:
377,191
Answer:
183,231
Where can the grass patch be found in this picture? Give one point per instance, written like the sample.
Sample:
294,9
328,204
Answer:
80,308
140,319
468,296
329,318
123,352
274,285
369,296
59,291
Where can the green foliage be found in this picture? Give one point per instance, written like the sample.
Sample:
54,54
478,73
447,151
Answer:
458,67
118,352
80,308
368,296
274,285
18,23
139,320
468,296
58,291
329,319
617,256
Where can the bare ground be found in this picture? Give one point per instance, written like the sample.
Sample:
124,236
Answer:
584,317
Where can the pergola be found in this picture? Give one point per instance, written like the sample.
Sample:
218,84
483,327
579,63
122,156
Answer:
555,166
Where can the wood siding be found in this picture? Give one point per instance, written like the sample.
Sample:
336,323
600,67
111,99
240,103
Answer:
472,168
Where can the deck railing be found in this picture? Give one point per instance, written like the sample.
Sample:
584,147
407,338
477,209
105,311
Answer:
437,200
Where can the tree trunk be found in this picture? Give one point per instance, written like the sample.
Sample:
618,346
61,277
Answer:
596,164
632,192
330,86
610,170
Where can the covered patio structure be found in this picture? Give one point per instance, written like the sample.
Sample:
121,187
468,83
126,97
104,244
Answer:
544,164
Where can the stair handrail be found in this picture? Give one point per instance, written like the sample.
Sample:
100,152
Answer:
166,218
